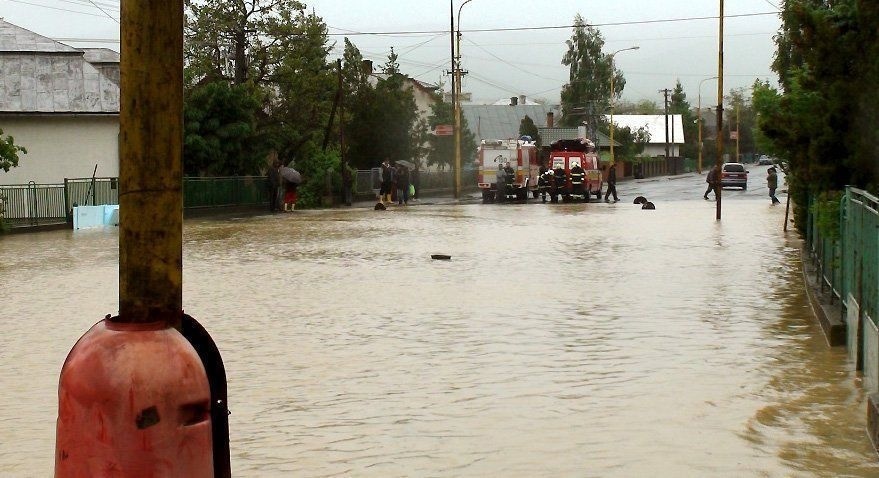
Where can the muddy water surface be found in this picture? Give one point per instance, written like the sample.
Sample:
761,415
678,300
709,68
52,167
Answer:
570,340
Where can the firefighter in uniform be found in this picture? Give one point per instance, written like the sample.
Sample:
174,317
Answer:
561,185
510,177
578,175
543,183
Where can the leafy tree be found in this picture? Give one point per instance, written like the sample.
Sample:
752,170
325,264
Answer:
441,151
821,121
9,152
304,93
642,107
740,110
240,40
528,128
631,143
680,106
588,88
220,136
383,119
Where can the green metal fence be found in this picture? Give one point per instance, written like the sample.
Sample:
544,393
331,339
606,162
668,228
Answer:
224,191
848,262
859,271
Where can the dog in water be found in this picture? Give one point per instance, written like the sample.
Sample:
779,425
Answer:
380,207
639,200
648,205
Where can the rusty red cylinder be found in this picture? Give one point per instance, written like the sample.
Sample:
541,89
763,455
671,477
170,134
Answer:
134,402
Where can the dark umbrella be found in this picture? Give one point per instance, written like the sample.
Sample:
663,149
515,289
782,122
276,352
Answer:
291,175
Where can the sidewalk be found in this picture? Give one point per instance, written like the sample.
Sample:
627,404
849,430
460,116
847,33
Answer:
825,305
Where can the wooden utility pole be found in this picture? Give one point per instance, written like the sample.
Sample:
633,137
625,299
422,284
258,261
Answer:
665,92
151,165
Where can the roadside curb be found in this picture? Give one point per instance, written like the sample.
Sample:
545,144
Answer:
827,313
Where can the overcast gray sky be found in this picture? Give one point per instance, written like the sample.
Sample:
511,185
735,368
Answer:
504,63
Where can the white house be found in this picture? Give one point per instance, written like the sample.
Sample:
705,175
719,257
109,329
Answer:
60,103
655,126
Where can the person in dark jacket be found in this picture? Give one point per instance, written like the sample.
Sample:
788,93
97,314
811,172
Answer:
772,183
611,183
711,179
387,177
274,186
402,184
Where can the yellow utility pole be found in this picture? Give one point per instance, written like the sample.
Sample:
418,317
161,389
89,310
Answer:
612,157
457,99
719,160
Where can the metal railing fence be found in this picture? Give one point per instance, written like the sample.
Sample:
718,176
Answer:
224,191
32,204
848,262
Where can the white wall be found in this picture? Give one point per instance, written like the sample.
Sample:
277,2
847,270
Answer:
653,150
62,146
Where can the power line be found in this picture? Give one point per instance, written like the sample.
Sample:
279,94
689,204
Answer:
556,27
57,8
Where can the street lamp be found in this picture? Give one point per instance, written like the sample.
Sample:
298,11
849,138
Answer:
612,158
699,114
457,100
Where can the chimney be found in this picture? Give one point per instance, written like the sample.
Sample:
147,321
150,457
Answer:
550,119
514,101
522,99
366,66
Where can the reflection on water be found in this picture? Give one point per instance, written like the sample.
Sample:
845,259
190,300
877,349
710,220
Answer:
577,340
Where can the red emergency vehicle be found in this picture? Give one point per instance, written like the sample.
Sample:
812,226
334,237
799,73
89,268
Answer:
565,154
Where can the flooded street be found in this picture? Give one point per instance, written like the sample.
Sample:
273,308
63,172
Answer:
560,340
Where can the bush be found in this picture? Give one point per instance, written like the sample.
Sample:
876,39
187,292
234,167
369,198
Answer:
314,176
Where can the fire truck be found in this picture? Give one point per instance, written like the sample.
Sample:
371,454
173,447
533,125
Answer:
565,154
514,161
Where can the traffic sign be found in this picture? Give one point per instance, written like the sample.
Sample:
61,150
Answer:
443,130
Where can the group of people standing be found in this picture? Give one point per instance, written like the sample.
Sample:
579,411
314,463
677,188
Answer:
553,182
396,183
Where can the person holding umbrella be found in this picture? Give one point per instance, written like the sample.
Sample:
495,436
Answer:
292,178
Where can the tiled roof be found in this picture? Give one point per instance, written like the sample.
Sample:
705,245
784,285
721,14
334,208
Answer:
39,75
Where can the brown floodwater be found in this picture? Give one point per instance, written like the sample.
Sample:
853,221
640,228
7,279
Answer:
560,340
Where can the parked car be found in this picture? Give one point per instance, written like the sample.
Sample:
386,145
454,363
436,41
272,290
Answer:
765,160
734,175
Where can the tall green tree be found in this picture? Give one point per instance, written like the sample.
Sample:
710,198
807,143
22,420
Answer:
680,106
740,115
587,94
9,152
821,120
528,128
441,151
240,40
383,119
220,131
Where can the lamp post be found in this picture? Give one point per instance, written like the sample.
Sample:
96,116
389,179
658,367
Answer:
699,114
457,100
612,158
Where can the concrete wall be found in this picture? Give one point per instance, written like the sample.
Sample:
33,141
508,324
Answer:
62,146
